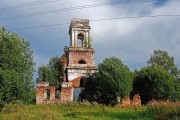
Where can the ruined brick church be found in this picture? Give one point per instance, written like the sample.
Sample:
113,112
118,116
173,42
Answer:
77,63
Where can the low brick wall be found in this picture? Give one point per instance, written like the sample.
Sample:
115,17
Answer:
136,101
41,94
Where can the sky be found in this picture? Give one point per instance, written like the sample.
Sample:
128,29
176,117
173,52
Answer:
131,40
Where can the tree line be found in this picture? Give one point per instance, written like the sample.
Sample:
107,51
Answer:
160,79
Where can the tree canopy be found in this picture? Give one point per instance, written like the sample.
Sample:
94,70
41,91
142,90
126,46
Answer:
112,80
153,82
162,58
50,72
16,68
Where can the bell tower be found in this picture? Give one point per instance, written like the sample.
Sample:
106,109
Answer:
79,57
79,33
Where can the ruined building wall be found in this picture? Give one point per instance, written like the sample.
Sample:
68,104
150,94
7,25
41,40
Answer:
136,101
41,93
66,94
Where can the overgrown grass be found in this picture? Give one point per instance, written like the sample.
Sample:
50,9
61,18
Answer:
164,110
76,111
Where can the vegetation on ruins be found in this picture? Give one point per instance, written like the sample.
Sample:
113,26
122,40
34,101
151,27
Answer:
87,43
50,72
16,69
113,81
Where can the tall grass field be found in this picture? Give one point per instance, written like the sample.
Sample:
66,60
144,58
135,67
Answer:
87,111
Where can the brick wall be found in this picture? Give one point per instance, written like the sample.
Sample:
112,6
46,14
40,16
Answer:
66,94
76,82
136,101
126,102
77,54
41,93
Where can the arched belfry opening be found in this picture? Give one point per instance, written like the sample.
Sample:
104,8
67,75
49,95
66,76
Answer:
80,40
81,36
82,61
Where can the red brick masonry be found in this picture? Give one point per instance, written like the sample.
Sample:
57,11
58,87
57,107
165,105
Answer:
41,93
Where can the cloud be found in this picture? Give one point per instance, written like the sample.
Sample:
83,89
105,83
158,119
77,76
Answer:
132,40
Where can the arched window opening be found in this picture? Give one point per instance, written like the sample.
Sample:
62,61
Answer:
80,38
81,82
82,62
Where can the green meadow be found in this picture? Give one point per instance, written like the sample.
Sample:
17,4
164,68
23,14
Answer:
87,111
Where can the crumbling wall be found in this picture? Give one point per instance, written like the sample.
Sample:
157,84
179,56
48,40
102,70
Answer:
41,93
136,101
126,102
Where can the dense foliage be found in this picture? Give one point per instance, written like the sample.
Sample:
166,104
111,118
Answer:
161,58
113,81
153,82
16,69
50,73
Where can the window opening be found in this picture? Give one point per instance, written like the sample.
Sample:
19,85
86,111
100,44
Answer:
47,94
82,62
80,38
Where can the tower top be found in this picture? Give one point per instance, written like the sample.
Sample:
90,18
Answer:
79,33
82,23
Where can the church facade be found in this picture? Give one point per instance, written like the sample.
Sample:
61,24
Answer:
77,64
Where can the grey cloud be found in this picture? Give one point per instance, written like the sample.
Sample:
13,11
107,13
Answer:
132,40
